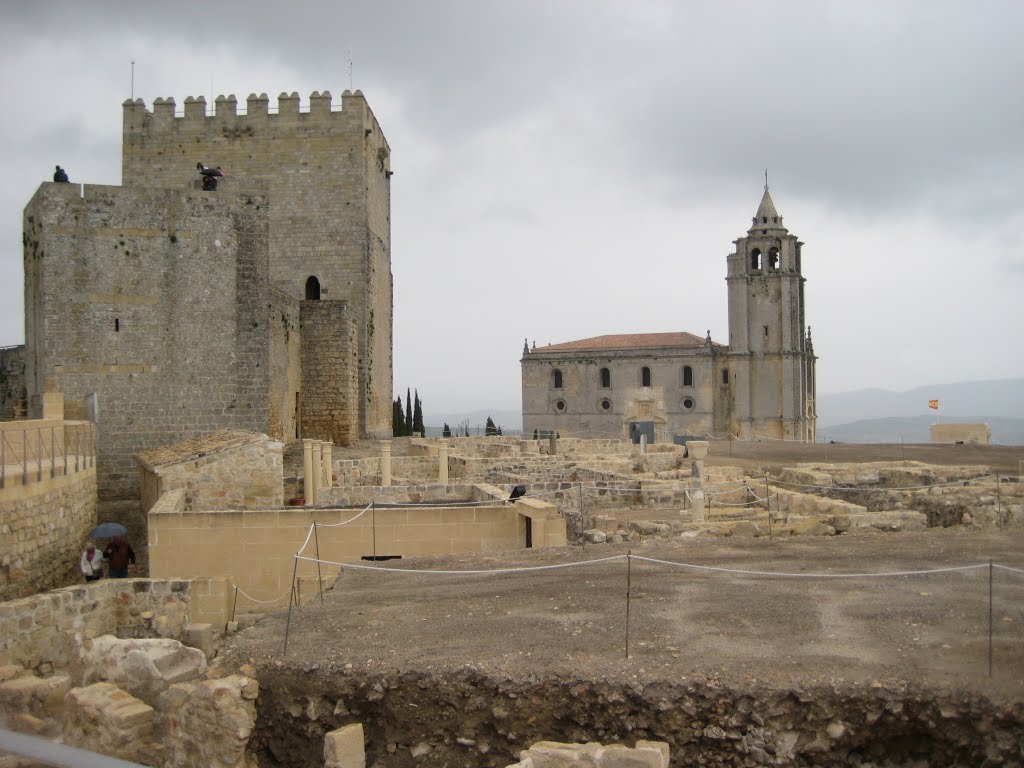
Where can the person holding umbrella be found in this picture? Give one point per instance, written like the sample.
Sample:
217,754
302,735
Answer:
118,552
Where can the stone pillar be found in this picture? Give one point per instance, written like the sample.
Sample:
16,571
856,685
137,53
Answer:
698,452
442,465
385,466
307,470
344,748
643,443
316,468
328,465
553,444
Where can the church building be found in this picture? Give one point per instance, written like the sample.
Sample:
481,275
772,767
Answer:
669,385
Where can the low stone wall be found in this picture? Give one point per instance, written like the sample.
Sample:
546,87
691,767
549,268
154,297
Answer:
47,631
793,502
223,470
256,548
43,529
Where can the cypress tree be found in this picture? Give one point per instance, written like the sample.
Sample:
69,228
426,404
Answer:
489,428
417,417
408,411
397,418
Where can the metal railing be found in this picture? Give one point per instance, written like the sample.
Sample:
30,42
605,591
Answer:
57,449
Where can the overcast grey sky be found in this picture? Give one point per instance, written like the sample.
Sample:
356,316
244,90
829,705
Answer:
570,169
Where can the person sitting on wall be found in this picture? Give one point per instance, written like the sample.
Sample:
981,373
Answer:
92,563
61,175
119,553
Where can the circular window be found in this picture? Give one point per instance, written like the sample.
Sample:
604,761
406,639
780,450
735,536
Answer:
606,404
560,405
688,403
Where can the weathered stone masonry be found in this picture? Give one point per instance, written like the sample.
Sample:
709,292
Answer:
328,174
156,300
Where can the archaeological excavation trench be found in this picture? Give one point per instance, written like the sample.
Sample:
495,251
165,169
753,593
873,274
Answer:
729,670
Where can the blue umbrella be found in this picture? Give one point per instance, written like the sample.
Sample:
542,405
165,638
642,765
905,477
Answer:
107,531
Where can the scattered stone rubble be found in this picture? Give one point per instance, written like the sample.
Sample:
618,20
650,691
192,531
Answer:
553,754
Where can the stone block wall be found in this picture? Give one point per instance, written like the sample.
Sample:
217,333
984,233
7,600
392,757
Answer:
13,403
255,548
328,174
330,373
155,300
224,470
44,524
46,631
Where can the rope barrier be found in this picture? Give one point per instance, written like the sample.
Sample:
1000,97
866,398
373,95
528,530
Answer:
809,575
262,602
1008,568
694,566
478,572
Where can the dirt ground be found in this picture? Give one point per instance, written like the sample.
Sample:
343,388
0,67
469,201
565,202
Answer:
739,629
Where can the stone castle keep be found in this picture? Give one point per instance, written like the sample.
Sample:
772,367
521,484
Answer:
664,385
167,311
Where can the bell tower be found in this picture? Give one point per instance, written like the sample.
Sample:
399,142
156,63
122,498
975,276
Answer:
769,369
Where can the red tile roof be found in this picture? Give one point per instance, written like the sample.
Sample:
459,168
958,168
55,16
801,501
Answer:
629,341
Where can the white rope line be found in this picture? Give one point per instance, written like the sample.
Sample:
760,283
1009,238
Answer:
877,488
808,575
313,526
1008,568
779,574
463,573
262,602
338,525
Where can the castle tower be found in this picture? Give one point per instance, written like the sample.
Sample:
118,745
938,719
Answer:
768,374
328,174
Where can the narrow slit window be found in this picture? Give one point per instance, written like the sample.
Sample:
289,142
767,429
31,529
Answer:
687,376
606,378
645,376
556,379
117,324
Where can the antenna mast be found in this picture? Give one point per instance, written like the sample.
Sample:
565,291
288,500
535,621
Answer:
350,69
133,81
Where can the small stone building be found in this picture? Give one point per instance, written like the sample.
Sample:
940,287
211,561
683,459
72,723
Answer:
974,434
664,385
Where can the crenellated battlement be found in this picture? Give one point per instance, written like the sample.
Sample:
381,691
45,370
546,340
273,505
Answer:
349,111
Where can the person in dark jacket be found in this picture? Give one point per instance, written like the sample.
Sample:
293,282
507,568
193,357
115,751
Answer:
118,554
60,175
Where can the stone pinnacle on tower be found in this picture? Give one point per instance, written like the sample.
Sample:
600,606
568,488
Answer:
767,217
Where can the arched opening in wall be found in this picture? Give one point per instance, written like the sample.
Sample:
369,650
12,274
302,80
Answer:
687,376
755,258
556,379
773,259
312,289
606,378
645,377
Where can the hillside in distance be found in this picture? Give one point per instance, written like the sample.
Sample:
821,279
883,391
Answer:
883,416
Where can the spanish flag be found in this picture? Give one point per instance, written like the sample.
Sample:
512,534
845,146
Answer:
933,404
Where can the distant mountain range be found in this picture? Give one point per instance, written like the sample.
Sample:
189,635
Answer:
863,415
884,416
